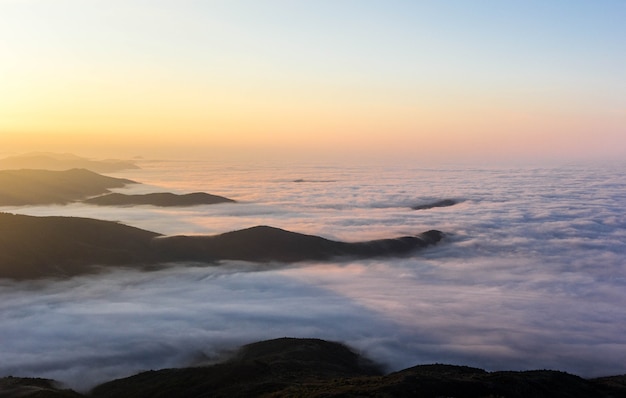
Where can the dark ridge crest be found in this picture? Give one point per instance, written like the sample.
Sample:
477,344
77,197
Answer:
161,199
37,247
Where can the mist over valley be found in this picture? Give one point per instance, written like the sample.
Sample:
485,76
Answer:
312,199
530,274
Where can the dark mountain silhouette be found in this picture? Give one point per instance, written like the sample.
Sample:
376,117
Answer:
264,244
38,187
257,369
292,354
35,247
64,161
462,381
12,387
303,180
162,199
289,367
439,203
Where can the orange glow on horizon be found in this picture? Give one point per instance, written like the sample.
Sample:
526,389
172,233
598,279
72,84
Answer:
179,119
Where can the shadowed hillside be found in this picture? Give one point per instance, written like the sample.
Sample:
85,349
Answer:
290,367
257,369
35,247
12,387
263,244
432,205
162,199
38,187
65,161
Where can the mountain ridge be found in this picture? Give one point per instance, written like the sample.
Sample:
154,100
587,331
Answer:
308,367
55,246
26,187
39,187
63,161
161,199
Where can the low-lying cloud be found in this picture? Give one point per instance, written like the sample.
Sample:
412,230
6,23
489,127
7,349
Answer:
531,275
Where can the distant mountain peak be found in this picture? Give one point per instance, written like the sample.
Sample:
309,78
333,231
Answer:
63,161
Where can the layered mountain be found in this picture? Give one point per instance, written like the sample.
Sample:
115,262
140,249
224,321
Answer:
12,387
266,244
35,247
260,369
432,205
290,367
41,187
161,199
63,161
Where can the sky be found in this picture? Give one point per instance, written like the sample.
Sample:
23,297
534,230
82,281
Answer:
428,80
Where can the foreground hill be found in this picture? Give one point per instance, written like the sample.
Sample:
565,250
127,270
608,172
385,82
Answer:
289,367
162,199
258,369
12,387
36,247
63,161
39,187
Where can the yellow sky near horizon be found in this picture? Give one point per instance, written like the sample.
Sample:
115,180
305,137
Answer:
304,80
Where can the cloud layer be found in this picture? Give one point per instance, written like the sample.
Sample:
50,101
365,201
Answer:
532,275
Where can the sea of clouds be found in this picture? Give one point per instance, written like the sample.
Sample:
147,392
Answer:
532,274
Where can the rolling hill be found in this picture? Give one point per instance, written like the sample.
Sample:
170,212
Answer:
290,367
36,247
161,199
40,187
63,161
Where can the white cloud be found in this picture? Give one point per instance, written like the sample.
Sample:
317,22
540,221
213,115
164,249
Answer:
531,275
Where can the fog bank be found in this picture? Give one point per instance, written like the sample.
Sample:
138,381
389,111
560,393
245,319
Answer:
531,275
